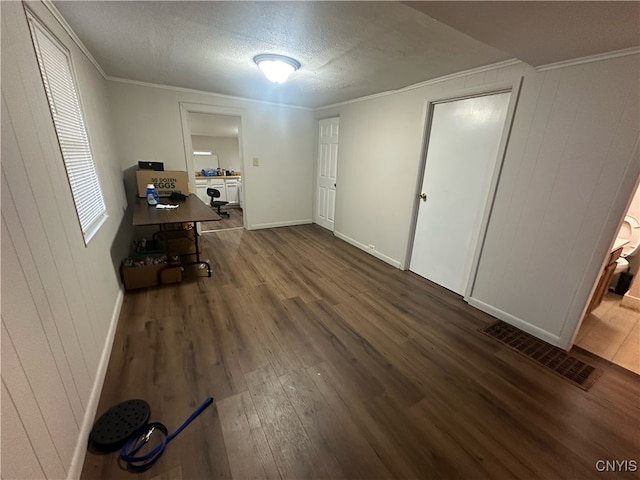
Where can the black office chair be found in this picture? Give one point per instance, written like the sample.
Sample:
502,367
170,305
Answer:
215,193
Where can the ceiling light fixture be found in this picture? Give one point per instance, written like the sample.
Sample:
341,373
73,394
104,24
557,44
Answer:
202,152
277,68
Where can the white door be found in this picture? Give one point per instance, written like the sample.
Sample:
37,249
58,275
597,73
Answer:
461,155
327,169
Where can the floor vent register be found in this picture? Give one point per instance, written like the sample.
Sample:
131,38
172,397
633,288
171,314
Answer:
553,358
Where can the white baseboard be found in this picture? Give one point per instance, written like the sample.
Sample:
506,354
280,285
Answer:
391,261
516,322
90,412
221,230
288,223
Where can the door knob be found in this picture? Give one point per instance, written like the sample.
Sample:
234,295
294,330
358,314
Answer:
423,196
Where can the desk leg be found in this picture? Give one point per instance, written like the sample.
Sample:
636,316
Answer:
195,239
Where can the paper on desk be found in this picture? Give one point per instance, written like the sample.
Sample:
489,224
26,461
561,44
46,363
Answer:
161,205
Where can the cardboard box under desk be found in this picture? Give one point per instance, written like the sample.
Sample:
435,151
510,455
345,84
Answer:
166,182
178,242
147,275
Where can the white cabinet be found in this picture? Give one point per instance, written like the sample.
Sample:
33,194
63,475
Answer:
231,187
219,185
228,189
201,190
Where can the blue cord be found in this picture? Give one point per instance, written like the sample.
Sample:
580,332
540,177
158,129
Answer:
141,437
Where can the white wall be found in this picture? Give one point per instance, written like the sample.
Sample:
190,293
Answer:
568,174
226,148
379,161
277,192
204,143
59,297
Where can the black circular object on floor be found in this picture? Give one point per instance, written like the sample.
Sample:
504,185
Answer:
118,423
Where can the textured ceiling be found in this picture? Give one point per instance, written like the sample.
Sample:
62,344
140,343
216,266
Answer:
347,49
540,33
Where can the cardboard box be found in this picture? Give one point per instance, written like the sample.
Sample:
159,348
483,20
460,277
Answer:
166,182
150,275
178,242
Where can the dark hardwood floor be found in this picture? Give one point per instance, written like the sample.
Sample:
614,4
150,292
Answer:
327,363
234,220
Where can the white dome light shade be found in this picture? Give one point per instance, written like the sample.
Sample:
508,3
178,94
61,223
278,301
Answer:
276,68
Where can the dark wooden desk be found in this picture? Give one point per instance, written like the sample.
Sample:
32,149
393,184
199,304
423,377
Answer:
192,209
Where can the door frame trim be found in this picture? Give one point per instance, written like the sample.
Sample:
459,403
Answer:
514,88
185,109
569,332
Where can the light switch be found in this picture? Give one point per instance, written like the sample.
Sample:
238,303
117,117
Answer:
256,162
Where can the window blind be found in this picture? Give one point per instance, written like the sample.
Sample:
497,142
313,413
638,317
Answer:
56,70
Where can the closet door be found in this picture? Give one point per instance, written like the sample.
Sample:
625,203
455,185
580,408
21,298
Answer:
464,140
326,172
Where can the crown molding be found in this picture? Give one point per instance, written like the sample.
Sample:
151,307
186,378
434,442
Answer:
464,73
542,68
589,59
204,92
58,16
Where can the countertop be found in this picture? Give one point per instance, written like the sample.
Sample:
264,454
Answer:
218,177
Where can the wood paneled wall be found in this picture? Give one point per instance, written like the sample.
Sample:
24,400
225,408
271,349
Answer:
568,173
58,296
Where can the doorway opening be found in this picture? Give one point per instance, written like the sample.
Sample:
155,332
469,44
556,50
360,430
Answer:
610,328
213,151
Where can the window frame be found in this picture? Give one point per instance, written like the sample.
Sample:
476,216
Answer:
67,114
